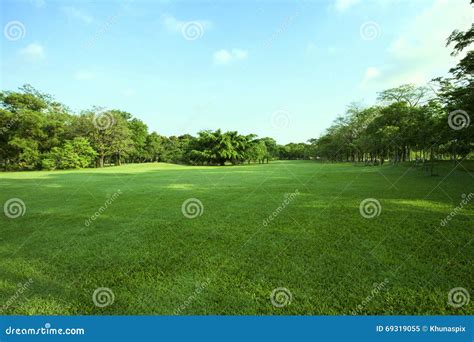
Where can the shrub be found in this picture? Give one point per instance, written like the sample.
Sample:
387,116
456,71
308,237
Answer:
74,154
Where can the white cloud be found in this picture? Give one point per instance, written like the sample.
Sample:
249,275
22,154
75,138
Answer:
84,75
174,25
171,23
223,56
33,52
76,13
370,74
425,38
419,52
344,5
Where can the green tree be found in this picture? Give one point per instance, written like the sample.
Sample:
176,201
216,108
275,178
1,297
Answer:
74,154
139,134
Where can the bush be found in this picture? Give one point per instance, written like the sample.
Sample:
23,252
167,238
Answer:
48,164
74,154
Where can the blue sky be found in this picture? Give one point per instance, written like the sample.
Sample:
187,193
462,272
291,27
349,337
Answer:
284,69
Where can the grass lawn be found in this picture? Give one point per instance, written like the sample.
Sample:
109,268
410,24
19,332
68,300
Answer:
328,257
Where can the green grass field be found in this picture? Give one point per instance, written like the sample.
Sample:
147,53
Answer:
328,257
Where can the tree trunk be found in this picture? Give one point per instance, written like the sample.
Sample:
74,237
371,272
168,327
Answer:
101,160
431,162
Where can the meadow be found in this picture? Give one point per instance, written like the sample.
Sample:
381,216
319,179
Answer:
283,238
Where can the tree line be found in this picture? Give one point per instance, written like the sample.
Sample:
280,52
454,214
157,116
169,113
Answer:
407,123
37,132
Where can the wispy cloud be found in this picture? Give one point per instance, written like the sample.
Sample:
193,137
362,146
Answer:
425,38
33,52
419,53
76,13
223,56
371,73
344,5
172,24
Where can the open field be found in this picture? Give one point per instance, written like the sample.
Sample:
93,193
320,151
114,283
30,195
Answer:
318,246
